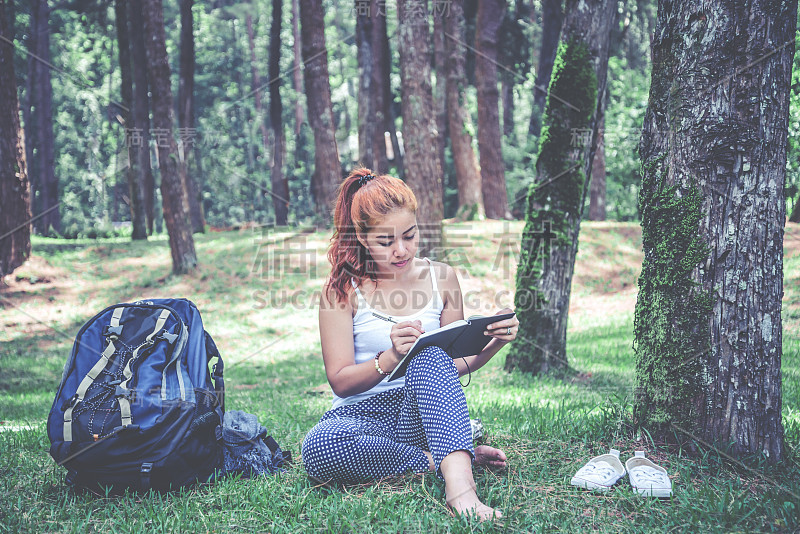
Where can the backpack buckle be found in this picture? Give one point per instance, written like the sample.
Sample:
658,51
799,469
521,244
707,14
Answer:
70,402
169,337
120,391
112,331
144,472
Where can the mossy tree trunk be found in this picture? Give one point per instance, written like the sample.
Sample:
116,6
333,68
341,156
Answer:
327,170
708,315
557,195
468,177
552,20
173,188
423,171
15,200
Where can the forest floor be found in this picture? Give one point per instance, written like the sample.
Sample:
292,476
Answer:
258,290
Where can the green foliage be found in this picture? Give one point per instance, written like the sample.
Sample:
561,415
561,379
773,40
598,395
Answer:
628,92
671,328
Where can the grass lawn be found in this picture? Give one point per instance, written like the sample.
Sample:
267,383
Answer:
258,290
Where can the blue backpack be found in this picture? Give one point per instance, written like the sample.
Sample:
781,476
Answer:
138,406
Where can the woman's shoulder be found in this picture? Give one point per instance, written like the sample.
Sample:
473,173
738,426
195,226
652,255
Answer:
443,271
332,301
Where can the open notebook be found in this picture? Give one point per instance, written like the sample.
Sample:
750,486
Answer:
459,338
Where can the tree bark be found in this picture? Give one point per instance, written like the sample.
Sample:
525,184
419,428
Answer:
135,185
372,109
557,196
423,172
280,185
15,200
173,190
297,73
39,141
597,185
552,20
507,94
327,170
707,331
140,112
389,109
187,133
493,174
440,89
470,198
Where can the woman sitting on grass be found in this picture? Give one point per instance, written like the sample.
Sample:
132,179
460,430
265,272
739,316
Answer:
378,299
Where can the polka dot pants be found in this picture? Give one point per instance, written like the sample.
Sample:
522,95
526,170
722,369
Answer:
387,434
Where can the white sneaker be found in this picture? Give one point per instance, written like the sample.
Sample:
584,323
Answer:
600,473
647,478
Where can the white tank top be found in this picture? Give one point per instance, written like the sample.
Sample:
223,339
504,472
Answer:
371,335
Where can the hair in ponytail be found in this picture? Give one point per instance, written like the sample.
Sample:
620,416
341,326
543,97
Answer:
363,199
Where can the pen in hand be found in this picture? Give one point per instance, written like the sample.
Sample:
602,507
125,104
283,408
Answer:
384,317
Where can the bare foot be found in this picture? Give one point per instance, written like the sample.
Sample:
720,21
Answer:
489,456
468,504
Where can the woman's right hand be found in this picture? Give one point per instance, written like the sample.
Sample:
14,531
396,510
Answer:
404,334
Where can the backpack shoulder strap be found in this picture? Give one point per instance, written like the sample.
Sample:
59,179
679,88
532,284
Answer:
115,329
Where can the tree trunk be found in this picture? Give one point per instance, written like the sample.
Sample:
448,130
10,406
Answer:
707,331
795,216
493,174
507,84
327,170
140,112
557,196
39,139
135,185
256,76
439,91
552,20
372,110
297,72
186,132
174,201
390,110
367,106
280,185
470,198
15,200
423,172
597,185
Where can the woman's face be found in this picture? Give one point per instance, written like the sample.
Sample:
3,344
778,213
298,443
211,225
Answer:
393,242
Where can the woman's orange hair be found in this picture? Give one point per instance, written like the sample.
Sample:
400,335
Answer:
363,199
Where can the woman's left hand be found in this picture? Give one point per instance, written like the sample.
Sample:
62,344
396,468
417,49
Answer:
505,330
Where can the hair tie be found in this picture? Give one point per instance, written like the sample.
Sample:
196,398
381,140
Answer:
364,179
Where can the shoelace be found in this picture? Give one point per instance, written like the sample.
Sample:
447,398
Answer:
657,478
602,471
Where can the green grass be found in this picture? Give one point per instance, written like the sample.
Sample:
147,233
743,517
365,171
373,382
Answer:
548,427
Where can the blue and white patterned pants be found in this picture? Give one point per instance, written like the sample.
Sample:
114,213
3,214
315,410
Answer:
387,434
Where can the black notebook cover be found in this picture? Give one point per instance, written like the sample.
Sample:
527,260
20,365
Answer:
459,338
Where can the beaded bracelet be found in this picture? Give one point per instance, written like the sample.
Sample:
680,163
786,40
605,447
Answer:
378,365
